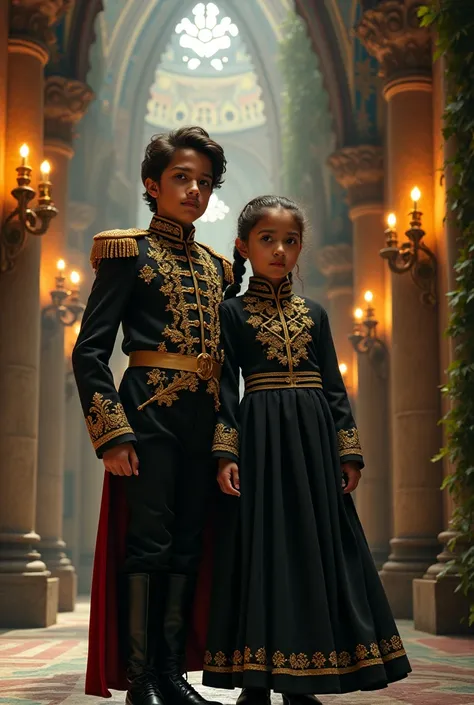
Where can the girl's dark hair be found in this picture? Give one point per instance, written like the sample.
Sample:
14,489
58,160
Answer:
248,219
161,149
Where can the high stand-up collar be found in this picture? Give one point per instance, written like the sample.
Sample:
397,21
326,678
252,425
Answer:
169,229
265,289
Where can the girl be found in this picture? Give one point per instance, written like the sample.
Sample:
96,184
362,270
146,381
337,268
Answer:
297,603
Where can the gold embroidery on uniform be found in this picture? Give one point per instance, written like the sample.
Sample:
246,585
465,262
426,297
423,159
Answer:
304,665
348,442
266,319
213,388
180,332
147,273
213,294
107,420
167,392
226,439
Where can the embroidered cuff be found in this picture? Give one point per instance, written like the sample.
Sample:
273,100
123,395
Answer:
226,439
348,442
106,420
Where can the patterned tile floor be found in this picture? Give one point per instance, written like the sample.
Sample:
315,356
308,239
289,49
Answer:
46,667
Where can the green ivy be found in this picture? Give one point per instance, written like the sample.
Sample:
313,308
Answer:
453,22
306,119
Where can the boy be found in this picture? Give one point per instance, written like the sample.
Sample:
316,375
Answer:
154,436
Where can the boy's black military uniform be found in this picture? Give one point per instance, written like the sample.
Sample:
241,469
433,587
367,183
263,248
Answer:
165,290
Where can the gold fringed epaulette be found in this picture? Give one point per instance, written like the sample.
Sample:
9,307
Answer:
115,243
226,264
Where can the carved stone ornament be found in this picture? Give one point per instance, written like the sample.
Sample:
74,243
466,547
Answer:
360,170
65,102
354,166
35,19
391,33
335,262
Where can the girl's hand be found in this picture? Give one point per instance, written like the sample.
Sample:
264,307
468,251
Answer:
228,477
351,470
121,460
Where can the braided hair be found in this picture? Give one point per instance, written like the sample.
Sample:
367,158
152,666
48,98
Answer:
248,219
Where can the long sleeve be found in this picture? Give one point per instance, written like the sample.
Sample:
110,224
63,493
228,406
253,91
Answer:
226,436
104,414
336,395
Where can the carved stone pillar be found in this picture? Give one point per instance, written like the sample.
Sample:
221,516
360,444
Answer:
4,10
391,32
28,595
65,103
335,262
80,218
360,170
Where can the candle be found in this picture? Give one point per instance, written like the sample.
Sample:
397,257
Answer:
415,197
60,266
75,279
45,169
343,369
368,297
24,152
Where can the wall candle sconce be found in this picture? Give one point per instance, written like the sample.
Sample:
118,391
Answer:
23,219
412,255
66,307
364,334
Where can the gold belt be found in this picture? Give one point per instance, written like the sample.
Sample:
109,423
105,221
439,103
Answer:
282,380
203,364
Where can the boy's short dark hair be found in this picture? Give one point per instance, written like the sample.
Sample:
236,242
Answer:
161,148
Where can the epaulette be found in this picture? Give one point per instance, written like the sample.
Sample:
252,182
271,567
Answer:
115,243
226,264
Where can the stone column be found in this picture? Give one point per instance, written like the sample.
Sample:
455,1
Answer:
335,262
66,101
4,11
80,218
392,34
361,171
92,480
437,608
28,594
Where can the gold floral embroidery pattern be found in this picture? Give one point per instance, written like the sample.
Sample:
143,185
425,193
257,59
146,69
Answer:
317,664
147,274
226,439
213,294
282,339
106,420
213,388
181,331
348,442
166,392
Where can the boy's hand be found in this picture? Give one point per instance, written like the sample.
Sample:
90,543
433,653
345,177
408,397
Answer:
121,460
228,477
353,476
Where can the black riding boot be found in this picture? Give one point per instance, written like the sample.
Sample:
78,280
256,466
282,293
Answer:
254,696
178,607
291,699
143,684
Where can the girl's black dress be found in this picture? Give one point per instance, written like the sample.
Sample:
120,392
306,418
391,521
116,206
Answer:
297,604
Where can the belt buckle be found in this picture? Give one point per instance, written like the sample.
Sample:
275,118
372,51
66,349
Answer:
204,366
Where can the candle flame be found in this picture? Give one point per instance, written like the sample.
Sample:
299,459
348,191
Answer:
61,265
75,277
24,151
45,168
392,220
343,368
368,296
359,314
416,194
77,328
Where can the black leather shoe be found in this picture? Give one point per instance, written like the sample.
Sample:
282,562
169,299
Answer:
254,696
178,606
292,699
142,678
